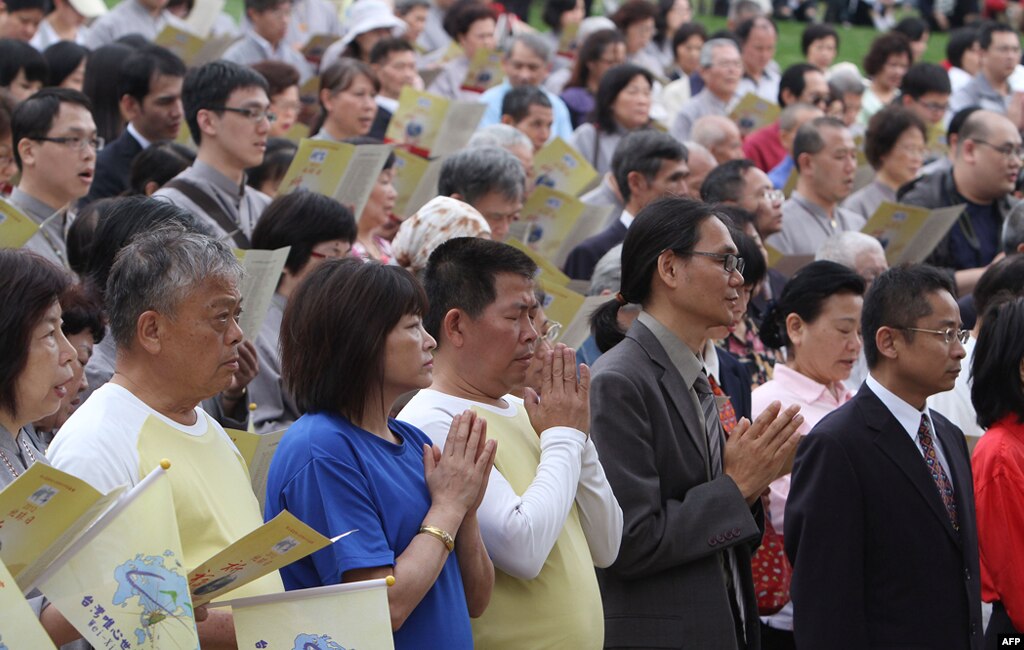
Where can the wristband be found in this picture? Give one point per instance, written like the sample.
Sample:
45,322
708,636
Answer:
445,537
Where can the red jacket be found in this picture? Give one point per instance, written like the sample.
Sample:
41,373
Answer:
764,148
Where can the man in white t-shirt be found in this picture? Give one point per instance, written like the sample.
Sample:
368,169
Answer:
173,303
548,516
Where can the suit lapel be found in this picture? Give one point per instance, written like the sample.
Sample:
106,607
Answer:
676,389
897,445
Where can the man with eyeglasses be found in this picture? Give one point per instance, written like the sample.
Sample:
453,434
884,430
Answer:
880,518
228,112
925,90
983,176
801,83
990,88
55,145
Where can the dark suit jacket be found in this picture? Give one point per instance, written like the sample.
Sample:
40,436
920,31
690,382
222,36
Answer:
735,382
380,123
667,588
876,562
759,304
113,167
582,260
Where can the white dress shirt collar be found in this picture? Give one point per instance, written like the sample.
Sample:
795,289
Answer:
626,219
143,142
908,416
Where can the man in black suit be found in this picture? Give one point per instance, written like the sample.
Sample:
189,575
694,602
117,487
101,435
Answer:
647,165
880,523
150,91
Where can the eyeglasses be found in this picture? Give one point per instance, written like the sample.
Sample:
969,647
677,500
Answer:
948,334
6,157
253,114
731,263
935,107
75,142
1006,49
819,100
554,330
329,255
1008,150
774,196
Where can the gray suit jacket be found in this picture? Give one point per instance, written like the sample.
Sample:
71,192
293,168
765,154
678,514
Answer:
667,588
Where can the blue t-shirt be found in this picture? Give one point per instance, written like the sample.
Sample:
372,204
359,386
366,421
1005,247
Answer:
337,477
974,254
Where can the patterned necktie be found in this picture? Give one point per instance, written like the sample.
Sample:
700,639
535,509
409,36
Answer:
942,482
726,412
712,423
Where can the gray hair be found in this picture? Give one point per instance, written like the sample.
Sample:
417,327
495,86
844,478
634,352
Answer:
157,271
809,138
500,135
607,273
844,247
473,173
791,115
1013,229
708,49
711,130
532,42
846,82
745,9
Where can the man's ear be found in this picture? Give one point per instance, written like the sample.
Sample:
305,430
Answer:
453,327
887,342
148,330
507,119
130,108
27,151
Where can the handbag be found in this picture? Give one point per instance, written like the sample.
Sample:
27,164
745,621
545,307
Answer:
770,567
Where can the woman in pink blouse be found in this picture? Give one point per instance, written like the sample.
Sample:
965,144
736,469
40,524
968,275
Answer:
817,321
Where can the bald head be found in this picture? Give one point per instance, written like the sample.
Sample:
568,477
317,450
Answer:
719,135
988,159
701,162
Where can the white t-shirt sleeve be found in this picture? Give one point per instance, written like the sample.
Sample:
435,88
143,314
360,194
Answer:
519,531
600,514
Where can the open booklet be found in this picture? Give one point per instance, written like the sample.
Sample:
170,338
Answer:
193,49
257,451
752,112
19,627
16,228
262,271
550,223
415,181
909,233
342,171
485,71
560,166
41,513
430,125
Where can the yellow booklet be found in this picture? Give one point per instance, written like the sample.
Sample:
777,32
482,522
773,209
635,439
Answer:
546,220
348,615
41,513
297,132
16,228
342,171
277,543
938,144
192,49
560,166
753,112
578,329
546,270
909,233
123,579
315,47
430,125
561,304
415,181
19,627
257,451
485,71
593,220
262,273
567,41
203,15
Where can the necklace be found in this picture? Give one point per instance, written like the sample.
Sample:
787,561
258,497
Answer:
29,455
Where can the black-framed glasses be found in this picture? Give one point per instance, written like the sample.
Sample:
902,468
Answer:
252,114
730,262
948,335
75,142
1008,150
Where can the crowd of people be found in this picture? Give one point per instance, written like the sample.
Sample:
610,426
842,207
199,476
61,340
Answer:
769,439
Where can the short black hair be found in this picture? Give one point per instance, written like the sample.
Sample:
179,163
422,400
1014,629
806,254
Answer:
591,51
16,56
260,6
898,298
462,273
883,47
518,100
644,151
794,79
808,137
340,317
33,118
990,27
62,59
634,11
159,163
211,85
960,40
387,46
21,5
924,78
996,389
277,158
816,32
885,128
280,76
463,14
552,13
142,65
302,219
913,27
755,266
685,32
31,286
102,76
957,121
744,28
81,310
612,83
1004,277
805,295
725,182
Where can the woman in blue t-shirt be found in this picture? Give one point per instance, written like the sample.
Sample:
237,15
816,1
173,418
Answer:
352,343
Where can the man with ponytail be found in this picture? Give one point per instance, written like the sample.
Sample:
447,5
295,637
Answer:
689,497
